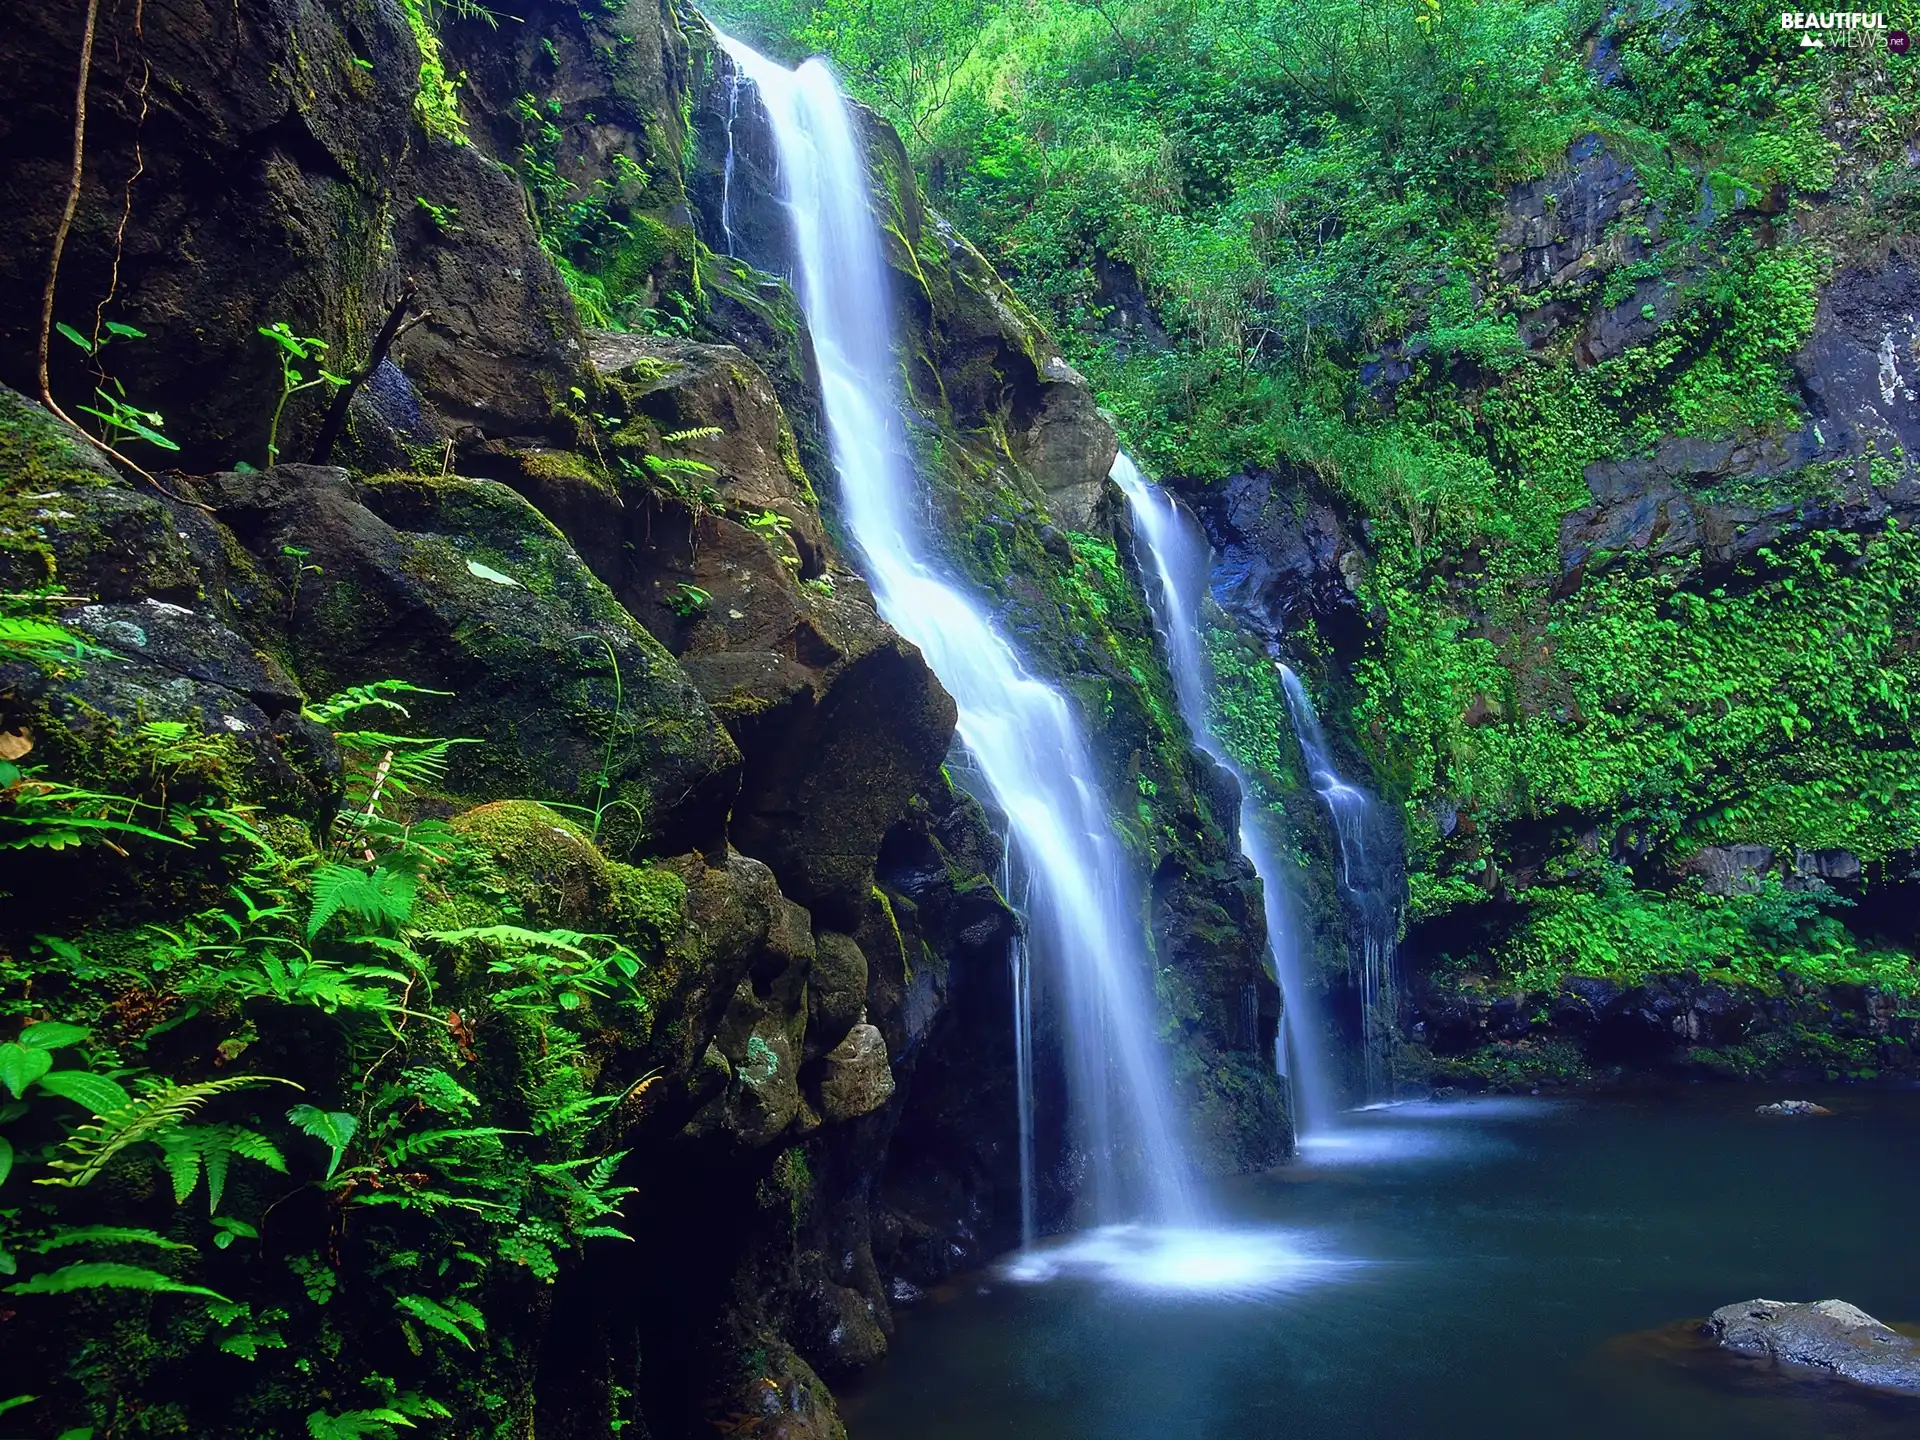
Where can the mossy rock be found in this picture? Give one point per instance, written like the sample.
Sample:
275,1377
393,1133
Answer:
550,865
461,586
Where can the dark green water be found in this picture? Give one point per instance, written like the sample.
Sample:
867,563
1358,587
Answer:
1501,1268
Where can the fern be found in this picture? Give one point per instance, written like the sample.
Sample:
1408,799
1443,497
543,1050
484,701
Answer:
446,1316
702,432
188,1150
365,697
333,1128
381,897
567,942
411,763
355,1424
105,1235
104,1275
44,641
162,1110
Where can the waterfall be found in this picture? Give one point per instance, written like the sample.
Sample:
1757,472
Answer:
1084,920
726,169
1351,811
1182,565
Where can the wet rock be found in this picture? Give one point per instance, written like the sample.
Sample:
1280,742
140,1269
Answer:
1828,1335
1792,1107
1287,555
188,643
836,992
1861,366
858,1079
1731,869
838,718
459,585
1558,228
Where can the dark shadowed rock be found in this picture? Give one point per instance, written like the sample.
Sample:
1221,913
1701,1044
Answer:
1828,1335
1557,229
461,586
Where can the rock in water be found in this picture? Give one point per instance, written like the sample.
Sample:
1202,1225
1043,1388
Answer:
1792,1107
1828,1335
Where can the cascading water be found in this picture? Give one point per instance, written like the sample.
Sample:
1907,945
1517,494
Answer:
1351,811
1019,731
1182,564
726,170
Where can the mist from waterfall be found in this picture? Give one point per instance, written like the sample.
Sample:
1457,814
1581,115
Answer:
1182,564
1083,920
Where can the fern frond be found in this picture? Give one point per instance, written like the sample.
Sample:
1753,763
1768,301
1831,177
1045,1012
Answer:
148,1117
701,432
567,942
105,1235
379,897
104,1275
364,697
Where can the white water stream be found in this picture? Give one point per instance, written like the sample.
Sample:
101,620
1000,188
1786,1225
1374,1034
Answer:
1083,920
1183,564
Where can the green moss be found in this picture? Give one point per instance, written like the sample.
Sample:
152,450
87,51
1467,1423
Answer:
436,103
650,903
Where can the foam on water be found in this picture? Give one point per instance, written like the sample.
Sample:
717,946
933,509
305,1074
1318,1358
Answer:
1229,1264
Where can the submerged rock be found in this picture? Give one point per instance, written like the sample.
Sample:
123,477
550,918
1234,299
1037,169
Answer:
1828,1335
1792,1107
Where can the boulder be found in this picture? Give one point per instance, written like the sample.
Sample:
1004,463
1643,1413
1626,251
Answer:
858,1079
1828,1335
1792,1107
459,585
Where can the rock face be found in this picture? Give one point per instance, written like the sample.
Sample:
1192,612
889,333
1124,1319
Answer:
1828,1335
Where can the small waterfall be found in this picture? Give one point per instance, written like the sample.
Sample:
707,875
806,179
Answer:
1351,811
726,170
1085,917
1021,963
1182,564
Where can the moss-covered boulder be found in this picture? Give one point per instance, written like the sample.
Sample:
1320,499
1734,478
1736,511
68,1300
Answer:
461,586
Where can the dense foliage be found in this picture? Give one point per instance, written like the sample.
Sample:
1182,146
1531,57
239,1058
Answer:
299,1051
1310,199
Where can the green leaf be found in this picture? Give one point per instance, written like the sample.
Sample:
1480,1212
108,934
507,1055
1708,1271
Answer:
102,1275
382,897
20,1067
446,1317
6,1159
333,1128
487,572
75,336
15,1402
115,327
97,1093
52,1034
106,1235
85,1432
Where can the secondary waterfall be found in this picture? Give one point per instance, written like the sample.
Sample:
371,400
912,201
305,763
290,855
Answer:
1182,565
1351,811
1085,926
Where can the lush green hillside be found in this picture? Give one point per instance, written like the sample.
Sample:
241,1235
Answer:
1430,262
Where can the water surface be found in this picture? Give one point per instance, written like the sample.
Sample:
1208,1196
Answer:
1491,1268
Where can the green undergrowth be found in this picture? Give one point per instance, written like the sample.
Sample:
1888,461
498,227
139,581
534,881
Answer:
323,1117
